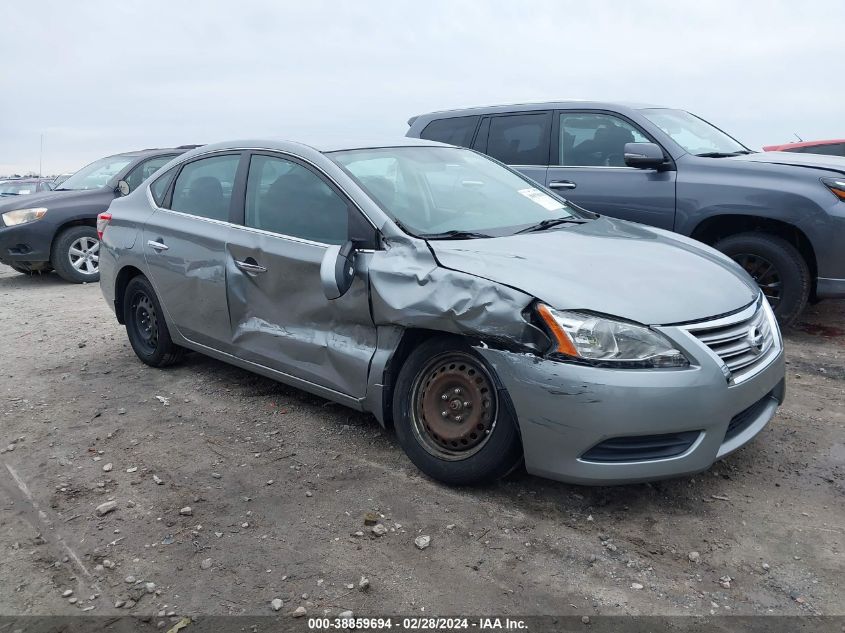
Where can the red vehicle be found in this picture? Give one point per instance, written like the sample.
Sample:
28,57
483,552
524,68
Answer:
829,148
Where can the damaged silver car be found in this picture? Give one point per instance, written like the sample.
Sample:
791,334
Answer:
483,317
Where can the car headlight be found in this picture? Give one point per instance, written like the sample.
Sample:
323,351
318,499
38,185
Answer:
22,216
608,342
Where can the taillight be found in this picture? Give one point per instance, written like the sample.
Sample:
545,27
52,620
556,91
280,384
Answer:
102,222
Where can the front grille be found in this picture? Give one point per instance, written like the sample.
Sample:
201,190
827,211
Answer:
745,342
746,417
636,448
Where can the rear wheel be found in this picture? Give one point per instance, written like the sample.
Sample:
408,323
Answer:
776,266
145,326
450,418
76,255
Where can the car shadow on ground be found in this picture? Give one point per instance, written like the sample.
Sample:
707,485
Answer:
33,280
524,492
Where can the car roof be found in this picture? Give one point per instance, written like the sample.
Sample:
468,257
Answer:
566,104
777,148
154,151
322,147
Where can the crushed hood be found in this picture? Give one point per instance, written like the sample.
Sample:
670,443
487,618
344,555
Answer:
609,266
815,161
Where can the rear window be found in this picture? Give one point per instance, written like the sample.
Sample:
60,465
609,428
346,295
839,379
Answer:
455,130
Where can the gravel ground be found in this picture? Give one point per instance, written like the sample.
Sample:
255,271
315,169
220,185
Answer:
231,491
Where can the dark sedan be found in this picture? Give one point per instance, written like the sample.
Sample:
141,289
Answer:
57,230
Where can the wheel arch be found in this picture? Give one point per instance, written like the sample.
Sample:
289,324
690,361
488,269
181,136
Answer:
409,339
68,224
716,227
122,279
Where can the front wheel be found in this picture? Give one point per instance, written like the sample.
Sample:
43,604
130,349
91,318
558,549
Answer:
76,255
450,418
776,266
145,325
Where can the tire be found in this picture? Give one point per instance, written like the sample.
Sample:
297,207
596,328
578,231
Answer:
446,439
777,266
75,255
145,325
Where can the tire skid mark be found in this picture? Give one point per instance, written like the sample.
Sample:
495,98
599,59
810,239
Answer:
51,534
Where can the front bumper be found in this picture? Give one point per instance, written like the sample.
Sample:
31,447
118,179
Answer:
25,242
565,410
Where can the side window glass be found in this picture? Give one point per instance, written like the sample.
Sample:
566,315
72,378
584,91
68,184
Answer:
204,187
455,130
286,198
521,139
595,139
144,170
161,184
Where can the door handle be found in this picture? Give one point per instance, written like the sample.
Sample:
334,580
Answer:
250,266
562,184
159,246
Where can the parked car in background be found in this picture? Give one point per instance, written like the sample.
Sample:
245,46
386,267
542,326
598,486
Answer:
58,180
485,318
24,186
57,230
828,148
780,215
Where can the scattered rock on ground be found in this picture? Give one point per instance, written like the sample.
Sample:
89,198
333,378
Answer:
104,508
379,529
276,604
422,541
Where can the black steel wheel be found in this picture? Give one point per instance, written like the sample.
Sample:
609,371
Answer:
776,266
145,325
452,418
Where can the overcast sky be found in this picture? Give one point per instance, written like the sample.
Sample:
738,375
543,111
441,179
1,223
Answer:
97,78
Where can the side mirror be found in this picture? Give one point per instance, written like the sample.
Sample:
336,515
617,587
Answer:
337,270
123,188
644,155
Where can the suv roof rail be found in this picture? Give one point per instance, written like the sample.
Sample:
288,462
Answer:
189,146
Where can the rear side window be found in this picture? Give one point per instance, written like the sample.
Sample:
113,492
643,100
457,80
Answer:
455,130
144,170
520,139
161,184
286,198
204,187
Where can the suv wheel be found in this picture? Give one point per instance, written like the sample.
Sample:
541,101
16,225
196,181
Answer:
76,255
145,326
450,418
777,266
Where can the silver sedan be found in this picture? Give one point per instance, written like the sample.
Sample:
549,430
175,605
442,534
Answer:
482,316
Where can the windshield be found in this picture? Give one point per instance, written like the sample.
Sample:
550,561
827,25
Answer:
97,174
17,188
695,135
436,190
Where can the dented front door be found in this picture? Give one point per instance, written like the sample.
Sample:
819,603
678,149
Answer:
281,318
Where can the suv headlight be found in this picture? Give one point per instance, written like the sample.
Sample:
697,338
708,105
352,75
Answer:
23,216
608,342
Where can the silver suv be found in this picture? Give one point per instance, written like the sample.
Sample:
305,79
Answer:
476,312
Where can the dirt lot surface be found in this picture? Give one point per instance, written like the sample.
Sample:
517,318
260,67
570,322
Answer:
279,482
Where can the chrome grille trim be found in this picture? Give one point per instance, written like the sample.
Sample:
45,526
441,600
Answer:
745,342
